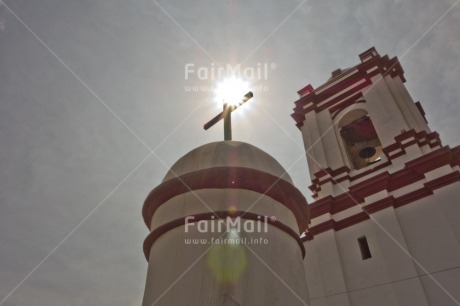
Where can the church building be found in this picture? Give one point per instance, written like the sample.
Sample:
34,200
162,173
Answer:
384,226
228,227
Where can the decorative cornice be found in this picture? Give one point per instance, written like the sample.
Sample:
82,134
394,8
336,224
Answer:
330,205
372,64
412,172
392,151
408,138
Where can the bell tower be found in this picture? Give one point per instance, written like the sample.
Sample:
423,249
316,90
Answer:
384,227
356,122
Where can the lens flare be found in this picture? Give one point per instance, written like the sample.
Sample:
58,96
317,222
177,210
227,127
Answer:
227,262
232,210
231,91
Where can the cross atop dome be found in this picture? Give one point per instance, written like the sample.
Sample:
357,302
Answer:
228,92
226,114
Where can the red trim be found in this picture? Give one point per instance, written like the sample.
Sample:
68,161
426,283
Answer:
334,225
413,171
379,205
306,90
329,205
370,59
371,185
322,227
366,55
376,168
316,186
158,232
352,220
405,135
231,178
396,155
412,197
443,181
354,90
336,109
314,100
404,177
343,202
455,156
307,237
321,207
421,110
421,138
431,160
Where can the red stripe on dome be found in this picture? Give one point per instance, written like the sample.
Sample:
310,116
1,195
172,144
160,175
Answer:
231,178
158,232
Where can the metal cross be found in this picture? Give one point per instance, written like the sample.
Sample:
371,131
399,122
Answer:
227,116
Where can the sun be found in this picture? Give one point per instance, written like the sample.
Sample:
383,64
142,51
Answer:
231,91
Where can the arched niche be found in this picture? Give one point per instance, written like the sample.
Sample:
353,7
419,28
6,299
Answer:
360,139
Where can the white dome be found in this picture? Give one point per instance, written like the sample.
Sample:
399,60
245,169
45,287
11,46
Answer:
227,154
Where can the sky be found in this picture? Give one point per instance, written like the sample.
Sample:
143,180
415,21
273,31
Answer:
89,88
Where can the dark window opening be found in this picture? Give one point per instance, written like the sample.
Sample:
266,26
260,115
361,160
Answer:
364,247
360,139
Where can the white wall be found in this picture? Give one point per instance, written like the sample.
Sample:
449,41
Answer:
406,243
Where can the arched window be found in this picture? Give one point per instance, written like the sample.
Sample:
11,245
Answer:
360,139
